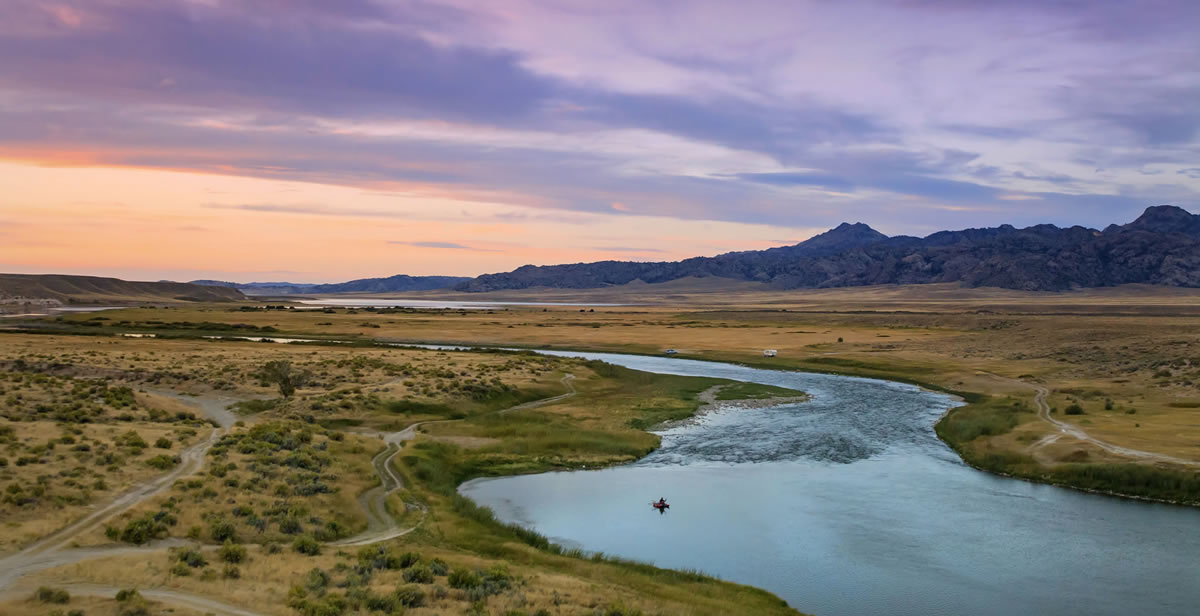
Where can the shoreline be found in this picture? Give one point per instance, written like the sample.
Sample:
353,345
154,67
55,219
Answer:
709,404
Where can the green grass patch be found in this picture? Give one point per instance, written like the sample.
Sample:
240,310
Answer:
992,417
251,407
755,391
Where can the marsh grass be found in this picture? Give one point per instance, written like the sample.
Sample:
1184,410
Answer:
755,391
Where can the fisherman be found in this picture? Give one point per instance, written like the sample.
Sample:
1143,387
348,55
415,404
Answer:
661,501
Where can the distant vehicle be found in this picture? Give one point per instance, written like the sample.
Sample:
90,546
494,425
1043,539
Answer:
671,351
769,352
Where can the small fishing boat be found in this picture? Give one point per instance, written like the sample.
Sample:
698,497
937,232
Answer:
660,505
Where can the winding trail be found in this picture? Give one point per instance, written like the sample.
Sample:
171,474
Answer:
381,526
48,552
1075,432
1066,429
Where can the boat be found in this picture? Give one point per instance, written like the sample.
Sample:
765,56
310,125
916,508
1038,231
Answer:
660,505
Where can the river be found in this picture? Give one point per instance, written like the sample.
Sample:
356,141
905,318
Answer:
849,505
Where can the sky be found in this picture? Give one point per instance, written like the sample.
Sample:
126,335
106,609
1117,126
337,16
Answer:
319,141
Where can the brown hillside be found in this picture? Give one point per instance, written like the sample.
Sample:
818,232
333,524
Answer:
95,290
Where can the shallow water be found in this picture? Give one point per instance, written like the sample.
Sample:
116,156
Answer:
432,304
849,504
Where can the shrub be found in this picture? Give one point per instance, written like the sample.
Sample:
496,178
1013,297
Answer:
192,558
438,567
316,581
221,529
146,528
305,544
231,572
181,570
163,443
45,594
128,595
418,575
163,462
1074,409
410,596
232,553
406,560
464,579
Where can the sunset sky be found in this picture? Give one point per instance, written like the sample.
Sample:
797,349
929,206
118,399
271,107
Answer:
318,141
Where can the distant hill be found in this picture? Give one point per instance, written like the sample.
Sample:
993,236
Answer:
391,284
1161,247
66,289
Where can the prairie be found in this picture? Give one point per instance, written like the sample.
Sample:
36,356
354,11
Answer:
261,523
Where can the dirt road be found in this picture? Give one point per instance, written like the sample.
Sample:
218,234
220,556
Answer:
48,552
381,526
1075,432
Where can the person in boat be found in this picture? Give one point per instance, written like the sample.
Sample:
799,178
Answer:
662,502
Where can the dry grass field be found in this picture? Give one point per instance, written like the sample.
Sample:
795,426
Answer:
259,519
1134,345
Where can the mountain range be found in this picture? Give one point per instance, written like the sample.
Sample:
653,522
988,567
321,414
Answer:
390,284
1161,247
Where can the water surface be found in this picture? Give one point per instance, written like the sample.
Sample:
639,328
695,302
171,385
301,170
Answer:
434,304
849,504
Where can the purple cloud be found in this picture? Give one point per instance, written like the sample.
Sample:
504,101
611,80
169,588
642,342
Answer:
905,114
446,245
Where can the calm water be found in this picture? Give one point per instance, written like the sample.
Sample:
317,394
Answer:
849,505
432,304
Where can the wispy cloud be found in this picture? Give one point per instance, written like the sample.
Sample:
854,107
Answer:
445,245
1021,113
626,249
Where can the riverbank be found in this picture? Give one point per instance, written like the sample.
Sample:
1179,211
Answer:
711,402
1132,380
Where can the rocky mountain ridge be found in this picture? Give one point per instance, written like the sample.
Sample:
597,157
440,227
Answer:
1161,247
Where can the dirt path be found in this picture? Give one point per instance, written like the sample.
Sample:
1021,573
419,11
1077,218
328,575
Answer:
381,526
214,406
48,551
1075,432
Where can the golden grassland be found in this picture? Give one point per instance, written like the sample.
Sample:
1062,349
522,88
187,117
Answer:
1134,345
1124,350
91,606
293,466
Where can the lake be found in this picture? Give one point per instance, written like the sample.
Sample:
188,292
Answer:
431,304
850,505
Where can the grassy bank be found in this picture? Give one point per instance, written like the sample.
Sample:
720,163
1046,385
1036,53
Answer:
966,430
594,429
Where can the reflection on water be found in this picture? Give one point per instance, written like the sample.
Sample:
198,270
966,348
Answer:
849,504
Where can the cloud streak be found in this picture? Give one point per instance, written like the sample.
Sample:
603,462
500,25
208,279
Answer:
444,245
908,115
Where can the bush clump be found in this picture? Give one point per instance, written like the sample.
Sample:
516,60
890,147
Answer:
232,553
45,594
163,462
307,545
